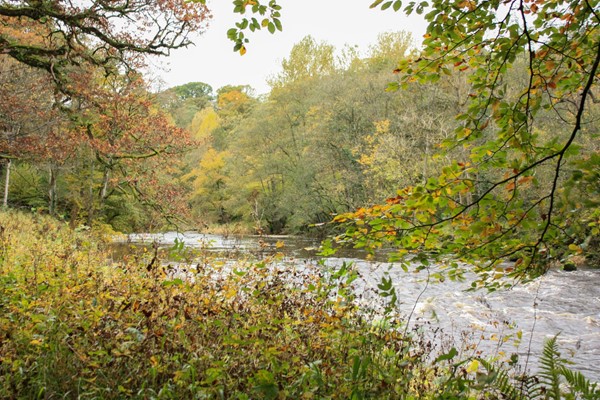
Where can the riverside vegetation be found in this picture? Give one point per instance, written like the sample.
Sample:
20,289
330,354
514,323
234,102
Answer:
76,324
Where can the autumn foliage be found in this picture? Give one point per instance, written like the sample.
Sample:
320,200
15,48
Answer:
60,37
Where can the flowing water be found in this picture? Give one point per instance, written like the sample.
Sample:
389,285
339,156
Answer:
515,321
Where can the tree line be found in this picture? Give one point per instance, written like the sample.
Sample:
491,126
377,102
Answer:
481,142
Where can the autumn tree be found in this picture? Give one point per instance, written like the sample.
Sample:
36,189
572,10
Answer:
297,156
210,174
62,35
233,103
104,129
204,123
115,153
123,129
209,180
308,59
26,115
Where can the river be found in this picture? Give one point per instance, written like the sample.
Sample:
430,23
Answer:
518,320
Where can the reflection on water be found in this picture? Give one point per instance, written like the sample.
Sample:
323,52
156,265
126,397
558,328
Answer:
565,303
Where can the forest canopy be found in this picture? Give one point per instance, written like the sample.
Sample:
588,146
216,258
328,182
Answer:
526,185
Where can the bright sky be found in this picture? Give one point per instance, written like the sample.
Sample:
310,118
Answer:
337,22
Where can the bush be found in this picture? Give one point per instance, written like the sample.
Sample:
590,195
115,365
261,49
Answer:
75,324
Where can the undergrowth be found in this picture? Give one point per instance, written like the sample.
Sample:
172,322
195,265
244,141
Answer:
75,324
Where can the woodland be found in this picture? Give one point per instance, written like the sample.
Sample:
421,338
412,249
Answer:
477,143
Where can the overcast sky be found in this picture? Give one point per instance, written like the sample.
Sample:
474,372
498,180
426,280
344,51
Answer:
338,22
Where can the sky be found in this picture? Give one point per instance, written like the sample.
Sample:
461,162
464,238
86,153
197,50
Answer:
337,22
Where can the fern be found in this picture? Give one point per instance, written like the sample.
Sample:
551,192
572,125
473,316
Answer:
500,380
579,384
550,368
546,385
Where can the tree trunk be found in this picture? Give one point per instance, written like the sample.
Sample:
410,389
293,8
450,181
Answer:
6,183
52,196
104,191
90,196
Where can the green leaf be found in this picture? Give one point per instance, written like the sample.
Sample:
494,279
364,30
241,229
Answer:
386,5
448,356
232,33
174,282
385,285
392,87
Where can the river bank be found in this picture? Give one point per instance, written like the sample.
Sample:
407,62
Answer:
76,326
506,322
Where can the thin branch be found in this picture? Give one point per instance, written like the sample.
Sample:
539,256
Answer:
576,129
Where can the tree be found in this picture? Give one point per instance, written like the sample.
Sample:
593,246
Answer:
233,103
516,194
184,101
391,47
209,180
80,111
295,155
308,59
210,174
61,35
119,123
194,90
204,123
26,115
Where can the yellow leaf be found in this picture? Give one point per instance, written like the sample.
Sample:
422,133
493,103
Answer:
473,366
574,247
178,376
230,293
